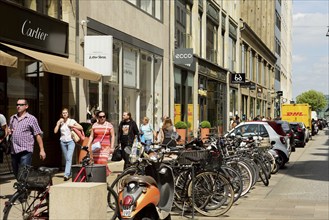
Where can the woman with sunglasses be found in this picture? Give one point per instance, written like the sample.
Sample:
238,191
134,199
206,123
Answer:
102,131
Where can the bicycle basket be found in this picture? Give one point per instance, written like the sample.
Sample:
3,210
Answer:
34,179
202,154
215,160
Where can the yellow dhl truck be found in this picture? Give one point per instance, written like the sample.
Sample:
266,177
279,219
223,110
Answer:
297,113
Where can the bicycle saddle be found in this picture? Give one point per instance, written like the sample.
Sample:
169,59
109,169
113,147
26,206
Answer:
49,170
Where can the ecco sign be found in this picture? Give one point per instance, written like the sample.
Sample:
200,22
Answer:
183,56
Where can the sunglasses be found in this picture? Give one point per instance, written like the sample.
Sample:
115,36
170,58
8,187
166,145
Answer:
20,104
101,116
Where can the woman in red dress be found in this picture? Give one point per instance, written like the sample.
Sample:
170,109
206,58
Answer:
102,131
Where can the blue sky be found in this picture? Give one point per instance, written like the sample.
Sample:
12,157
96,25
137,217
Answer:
310,46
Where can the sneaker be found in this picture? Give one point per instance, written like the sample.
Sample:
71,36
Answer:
66,178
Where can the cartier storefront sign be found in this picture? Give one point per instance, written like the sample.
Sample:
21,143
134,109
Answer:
26,28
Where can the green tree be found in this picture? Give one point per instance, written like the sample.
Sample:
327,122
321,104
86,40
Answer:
314,98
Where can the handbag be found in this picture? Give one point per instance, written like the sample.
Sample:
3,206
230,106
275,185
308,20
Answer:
75,136
97,145
117,154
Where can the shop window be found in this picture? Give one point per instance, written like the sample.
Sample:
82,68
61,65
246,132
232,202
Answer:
183,95
233,102
130,83
146,86
111,89
252,108
157,109
258,107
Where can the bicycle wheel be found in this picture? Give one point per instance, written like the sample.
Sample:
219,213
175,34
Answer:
113,204
246,174
235,179
212,194
262,172
27,205
181,200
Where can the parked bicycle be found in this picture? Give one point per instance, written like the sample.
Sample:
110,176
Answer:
31,199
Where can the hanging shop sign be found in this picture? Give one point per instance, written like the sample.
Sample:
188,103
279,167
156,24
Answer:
238,78
183,56
99,53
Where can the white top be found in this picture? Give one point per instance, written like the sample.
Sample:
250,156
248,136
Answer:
66,131
2,120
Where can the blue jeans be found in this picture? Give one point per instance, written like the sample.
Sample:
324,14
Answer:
21,159
148,148
68,149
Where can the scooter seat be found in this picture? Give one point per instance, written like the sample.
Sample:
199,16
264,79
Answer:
141,179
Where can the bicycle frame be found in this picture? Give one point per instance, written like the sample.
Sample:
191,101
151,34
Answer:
82,175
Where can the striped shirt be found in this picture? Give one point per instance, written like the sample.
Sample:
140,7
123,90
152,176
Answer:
23,132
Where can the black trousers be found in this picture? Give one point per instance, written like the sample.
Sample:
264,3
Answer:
125,156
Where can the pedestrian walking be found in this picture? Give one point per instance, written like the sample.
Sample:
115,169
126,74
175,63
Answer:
163,118
166,133
65,124
147,133
23,128
128,131
102,131
3,135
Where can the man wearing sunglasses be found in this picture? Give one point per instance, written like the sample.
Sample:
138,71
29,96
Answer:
23,127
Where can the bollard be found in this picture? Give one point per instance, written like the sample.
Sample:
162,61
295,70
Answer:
78,201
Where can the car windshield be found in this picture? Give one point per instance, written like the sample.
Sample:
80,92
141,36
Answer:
285,127
294,126
247,130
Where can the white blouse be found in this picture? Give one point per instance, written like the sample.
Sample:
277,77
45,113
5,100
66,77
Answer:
66,131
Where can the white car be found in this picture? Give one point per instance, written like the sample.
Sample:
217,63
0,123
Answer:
265,129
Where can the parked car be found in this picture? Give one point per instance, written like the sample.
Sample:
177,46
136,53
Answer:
307,130
299,133
269,130
289,132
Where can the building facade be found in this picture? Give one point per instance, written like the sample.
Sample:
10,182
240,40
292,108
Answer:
173,58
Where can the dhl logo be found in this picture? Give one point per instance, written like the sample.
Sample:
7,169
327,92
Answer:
294,114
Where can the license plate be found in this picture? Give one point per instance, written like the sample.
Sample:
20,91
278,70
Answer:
126,213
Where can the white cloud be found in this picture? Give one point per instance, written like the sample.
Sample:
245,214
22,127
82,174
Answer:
310,47
298,58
